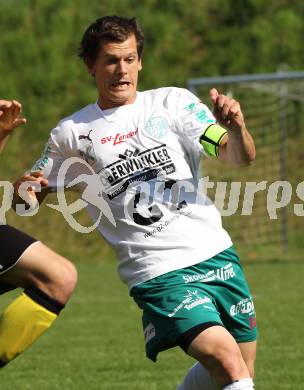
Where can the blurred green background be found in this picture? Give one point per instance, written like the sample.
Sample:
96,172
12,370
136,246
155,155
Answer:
184,39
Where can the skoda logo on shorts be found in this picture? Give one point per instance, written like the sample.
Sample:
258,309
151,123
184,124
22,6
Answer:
156,127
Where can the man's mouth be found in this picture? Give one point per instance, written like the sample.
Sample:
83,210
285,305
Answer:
120,85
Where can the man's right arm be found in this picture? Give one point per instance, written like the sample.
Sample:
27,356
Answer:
46,174
30,189
33,186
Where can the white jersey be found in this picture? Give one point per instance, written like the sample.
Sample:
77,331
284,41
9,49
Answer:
146,156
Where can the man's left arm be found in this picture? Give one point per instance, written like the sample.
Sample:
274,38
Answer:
237,146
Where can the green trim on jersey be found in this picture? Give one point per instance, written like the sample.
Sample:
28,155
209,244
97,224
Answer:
211,139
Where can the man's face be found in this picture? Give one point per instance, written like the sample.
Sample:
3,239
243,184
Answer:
116,73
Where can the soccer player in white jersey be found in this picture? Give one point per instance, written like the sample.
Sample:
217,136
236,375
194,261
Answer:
47,278
177,260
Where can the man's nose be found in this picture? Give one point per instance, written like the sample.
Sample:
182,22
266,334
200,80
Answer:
121,67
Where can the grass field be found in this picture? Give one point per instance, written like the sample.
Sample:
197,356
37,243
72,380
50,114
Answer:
97,343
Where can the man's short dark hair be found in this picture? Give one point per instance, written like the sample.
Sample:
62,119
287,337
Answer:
109,29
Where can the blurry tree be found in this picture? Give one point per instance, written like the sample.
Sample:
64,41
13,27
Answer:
184,38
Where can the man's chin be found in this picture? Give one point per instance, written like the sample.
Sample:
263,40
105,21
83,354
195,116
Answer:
121,98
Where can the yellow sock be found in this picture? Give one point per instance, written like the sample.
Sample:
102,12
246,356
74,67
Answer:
22,322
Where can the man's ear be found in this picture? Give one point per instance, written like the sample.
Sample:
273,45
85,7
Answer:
91,67
139,65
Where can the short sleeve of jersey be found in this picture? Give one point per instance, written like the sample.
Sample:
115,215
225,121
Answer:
194,118
57,151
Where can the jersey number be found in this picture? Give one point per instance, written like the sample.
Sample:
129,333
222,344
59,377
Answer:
154,210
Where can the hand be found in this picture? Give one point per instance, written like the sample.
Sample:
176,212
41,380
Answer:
227,111
10,115
27,186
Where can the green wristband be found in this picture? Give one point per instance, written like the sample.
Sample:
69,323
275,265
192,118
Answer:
211,139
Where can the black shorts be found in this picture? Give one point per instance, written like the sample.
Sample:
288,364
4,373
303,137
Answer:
13,243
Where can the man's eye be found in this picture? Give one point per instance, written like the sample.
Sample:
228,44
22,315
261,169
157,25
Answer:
112,61
130,60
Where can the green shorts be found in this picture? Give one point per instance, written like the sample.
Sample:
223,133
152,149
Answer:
180,304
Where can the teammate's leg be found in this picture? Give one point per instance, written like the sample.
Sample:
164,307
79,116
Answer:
44,269
48,280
